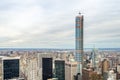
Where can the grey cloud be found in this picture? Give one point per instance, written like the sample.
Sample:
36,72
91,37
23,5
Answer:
39,23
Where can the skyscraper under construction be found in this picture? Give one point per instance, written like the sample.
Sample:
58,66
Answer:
79,42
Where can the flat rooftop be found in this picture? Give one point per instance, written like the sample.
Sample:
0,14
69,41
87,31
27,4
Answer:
8,58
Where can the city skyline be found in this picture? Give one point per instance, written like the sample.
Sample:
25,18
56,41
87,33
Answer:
51,24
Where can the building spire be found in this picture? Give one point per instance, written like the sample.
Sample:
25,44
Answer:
79,13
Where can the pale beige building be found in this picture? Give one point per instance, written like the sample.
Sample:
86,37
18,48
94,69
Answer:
29,67
70,70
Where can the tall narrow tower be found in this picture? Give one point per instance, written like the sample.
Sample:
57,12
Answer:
79,42
93,57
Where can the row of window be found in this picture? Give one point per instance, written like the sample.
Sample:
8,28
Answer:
78,33
78,56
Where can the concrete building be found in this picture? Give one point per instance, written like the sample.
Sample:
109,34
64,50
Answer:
32,69
118,68
118,72
70,70
29,67
105,65
79,42
111,75
87,74
90,74
9,67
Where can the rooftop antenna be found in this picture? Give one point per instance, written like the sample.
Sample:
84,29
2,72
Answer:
79,13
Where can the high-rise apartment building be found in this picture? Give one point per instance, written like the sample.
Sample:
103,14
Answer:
29,66
79,42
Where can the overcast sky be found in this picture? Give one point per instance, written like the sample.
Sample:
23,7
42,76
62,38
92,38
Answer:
51,23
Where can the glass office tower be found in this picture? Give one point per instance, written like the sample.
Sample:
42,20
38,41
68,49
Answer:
11,68
46,68
60,69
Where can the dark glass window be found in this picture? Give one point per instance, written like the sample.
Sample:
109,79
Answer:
60,69
47,68
11,68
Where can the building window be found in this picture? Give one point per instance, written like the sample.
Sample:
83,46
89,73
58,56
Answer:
77,24
77,19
